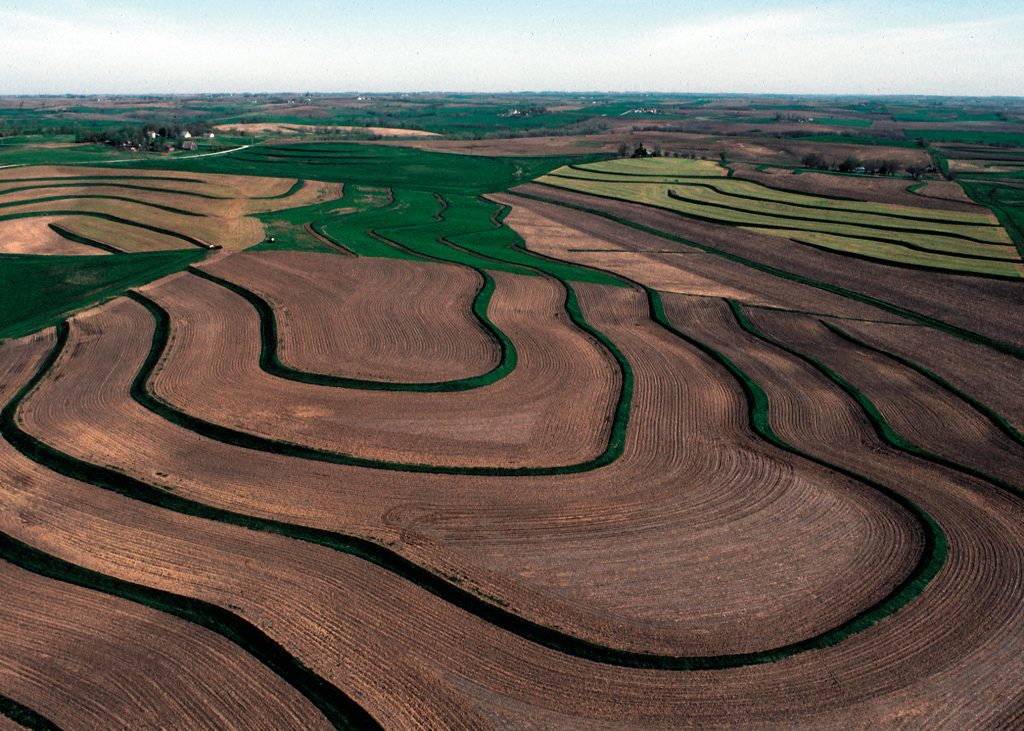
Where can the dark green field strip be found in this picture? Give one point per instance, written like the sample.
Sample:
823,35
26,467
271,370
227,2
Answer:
37,291
1010,213
285,160
115,219
831,222
295,188
51,199
270,361
882,428
989,413
336,706
142,394
962,333
79,239
129,186
25,716
932,558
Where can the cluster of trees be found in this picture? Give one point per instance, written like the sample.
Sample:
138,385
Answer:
149,136
816,161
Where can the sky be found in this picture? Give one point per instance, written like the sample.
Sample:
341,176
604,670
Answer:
963,48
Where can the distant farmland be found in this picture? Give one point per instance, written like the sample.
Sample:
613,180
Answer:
314,434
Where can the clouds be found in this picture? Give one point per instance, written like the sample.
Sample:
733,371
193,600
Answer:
848,47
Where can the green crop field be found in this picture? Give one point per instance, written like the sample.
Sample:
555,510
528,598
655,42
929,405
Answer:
37,291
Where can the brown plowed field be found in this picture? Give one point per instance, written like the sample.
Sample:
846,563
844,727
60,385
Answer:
989,376
86,659
552,546
953,621
560,232
970,302
419,662
914,406
34,236
379,319
528,418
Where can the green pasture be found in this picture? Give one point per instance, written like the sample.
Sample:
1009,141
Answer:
38,291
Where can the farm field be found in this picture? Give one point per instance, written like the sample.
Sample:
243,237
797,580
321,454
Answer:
649,424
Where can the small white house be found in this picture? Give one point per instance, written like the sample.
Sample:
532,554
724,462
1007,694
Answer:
186,134
151,134
211,135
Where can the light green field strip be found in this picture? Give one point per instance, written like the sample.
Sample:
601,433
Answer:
659,195
987,230
669,166
706,204
894,253
753,190
926,243
577,173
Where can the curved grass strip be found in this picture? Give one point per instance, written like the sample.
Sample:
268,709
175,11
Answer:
79,239
271,362
989,413
115,219
129,186
808,219
106,478
142,394
882,427
954,330
25,716
90,196
336,706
